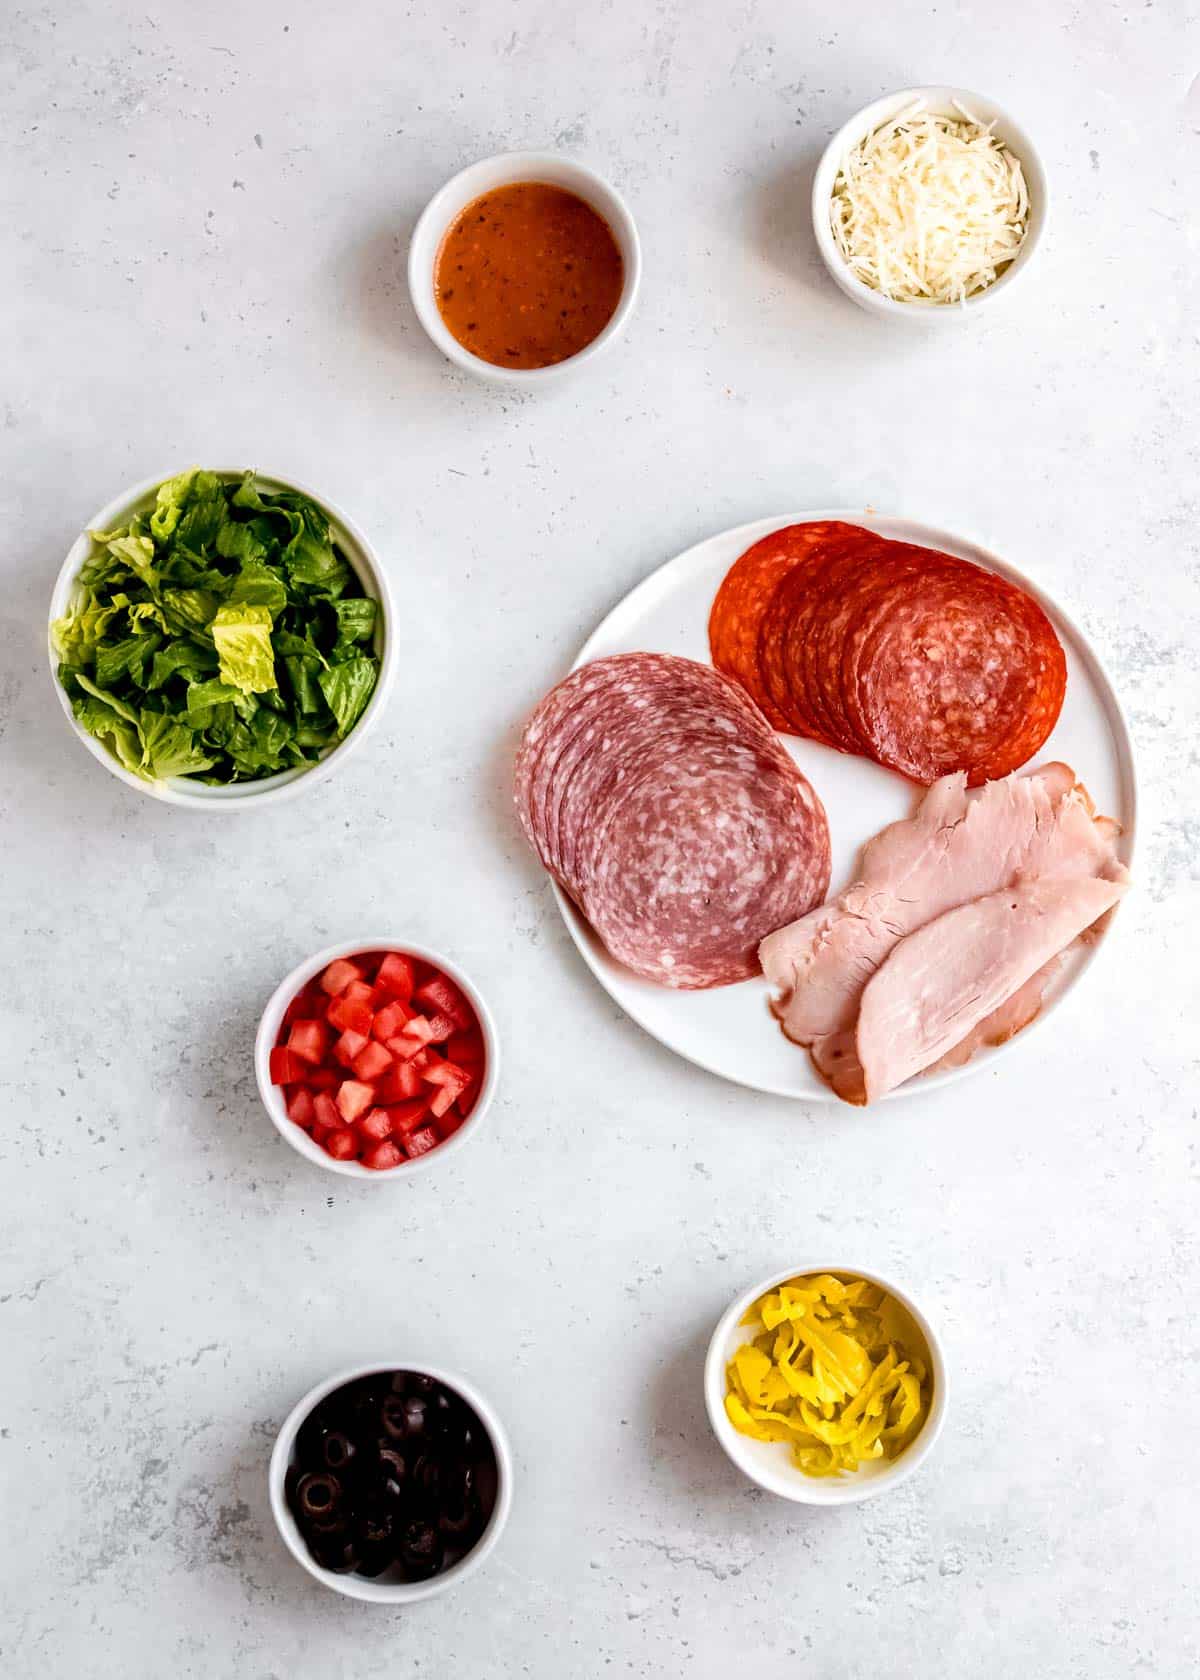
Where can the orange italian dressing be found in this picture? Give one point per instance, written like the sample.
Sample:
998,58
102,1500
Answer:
528,275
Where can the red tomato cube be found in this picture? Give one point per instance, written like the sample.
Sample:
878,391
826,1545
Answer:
420,1029
448,1124
372,1062
376,1125
323,1078
354,1098
390,1019
358,992
396,976
350,1044
402,1082
325,1111
342,1144
308,1001
350,1017
421,1142
383,1156
340,974
301,1108
440,996
406,1117
441,1027
286,1066
309,1040
405,1047
466,1048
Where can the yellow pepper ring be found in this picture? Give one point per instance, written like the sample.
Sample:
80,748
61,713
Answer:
827,1371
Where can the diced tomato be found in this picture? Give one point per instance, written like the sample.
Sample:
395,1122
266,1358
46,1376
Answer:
405,1047
308,1001
342,1144
466,1048
383,1156
420,1029
400,1083
396,976
301,1108
350,1017
440,996
372,1062
323,1078
326,1112
354,1098
376,1125
309,1040
450,1082
421,1142
358,992
286,1066
350,1044
340,974
406,1117
442,1028
448,1124
390,1019
447,1073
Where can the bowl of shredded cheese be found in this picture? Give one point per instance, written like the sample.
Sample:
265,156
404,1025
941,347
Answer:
928,203
825,1386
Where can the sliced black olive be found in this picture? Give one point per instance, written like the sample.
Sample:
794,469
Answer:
403,1416
309,1437
393,1474
419,1383
373,1560
339,1555
318,1494
425,1478
420,1550
337,1449
375,1526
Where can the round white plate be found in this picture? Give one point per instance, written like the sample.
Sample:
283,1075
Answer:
729,1030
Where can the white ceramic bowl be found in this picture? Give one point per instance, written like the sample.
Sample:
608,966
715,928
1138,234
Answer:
272,1095
184,790
768,1462
358,1586
501,171
939,100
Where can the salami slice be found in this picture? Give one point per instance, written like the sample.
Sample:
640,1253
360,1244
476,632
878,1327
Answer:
731,841
660,798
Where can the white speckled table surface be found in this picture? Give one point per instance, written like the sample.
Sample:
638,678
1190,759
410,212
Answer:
205,212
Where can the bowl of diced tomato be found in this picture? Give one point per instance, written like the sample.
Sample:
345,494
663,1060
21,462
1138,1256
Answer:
376,1058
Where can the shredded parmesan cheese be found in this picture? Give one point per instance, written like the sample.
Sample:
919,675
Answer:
930,208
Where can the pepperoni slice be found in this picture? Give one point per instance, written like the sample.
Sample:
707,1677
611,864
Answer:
736,618
964,672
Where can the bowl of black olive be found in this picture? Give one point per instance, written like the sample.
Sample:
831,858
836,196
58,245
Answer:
391,1483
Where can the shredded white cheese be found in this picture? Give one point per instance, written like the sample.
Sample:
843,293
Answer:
930,208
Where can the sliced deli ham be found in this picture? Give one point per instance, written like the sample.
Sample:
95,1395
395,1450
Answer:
658,796
942,981
959,846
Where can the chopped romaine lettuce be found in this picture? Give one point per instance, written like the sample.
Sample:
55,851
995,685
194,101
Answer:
222,635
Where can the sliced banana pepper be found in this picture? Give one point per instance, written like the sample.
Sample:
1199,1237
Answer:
827,1370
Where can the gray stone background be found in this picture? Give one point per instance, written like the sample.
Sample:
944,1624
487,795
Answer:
205,211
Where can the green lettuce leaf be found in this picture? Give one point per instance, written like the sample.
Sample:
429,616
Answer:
242,635
347,688
259,586
170,748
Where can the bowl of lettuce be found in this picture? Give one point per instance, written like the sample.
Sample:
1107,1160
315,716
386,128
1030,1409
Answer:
221,638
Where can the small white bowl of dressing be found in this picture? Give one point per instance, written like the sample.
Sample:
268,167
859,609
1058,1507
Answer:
957,104
512,169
